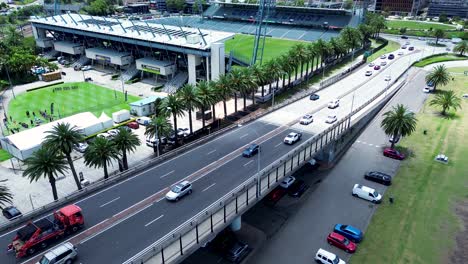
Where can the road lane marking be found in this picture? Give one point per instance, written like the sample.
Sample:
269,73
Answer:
243,136
167,174
208,187
111,201
248,163
213,151
149,223
277,145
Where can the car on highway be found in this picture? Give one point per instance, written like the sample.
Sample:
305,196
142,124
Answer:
391,57
325,257
377,67
65,253
379,177
404,37
292,138
341,242
350,232
179,190
133,125
314,97
334,103
403,47
388,77
307,119
426,90
368,73
394,154
383,57
11,212
237,252
400,53
297,188
86,68
383,63
366,193
331,119
250,150
81,147
371,64
411,48
287,182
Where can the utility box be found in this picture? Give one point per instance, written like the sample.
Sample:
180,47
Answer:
51,76
121,116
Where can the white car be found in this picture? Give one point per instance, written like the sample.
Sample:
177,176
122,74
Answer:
383,63
179,190
292,138
368,73
288,181
105,135
383,57
183,132
334,103
331,119
307,119
64,253
400,53
86,68
426,90
366,193
144,120
465,96
388,78
113,132
371,64
81,147
325,257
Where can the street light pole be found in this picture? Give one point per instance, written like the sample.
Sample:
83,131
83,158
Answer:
351,112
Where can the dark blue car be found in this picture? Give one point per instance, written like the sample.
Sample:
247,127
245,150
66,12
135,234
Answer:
251,150
314,97
350,232
391,57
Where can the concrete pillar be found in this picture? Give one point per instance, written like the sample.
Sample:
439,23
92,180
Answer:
217,60
193,61
236,224
207,68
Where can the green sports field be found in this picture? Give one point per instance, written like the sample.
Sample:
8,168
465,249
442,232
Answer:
68,99
242,45
418,25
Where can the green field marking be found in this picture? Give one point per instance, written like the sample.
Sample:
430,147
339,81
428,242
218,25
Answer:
440,58
418,25
421,225
4,155
391,47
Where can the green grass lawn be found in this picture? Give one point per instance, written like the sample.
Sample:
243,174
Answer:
4,155
23,2
420,227
392,46
418,25
242,45
440,58
87,97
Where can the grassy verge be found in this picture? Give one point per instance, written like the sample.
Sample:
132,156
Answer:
441,58
418,25
4,155
426,34
421,225
23,2
392,46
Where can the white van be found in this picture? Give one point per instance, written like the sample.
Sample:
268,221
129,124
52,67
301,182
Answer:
367,193
63,254
325,257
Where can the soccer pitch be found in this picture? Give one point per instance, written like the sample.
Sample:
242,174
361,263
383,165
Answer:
418,25
68,99
242,45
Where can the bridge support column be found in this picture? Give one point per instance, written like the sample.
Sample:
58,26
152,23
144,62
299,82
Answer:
236,224
193,61
217,60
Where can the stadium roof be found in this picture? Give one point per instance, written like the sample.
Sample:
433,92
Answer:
152,32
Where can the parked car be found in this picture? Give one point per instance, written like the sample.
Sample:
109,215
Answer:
287,182
65,253
393,139
237,252
307,119
377,67
430,84
179,190
292,138
331,119
86,68
11,212
404,37
388,78
368,73
371,64
325,257
350,232
297,188
403,47
426,90
275,195
366,193
383,57
411,48
407,43
183,132
341,242
465,96
251,150
391,57
334,103
394,154
113,132
105,135
378,177
400,53
81,147
314,97
133,125
383,63
143,120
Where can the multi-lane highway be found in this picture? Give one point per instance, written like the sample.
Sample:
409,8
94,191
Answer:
127,217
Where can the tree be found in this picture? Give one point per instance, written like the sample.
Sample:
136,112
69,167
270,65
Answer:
125,141
446,100
348,4
461,47
205,98
46,163
62,138
158,127
398,122
443,17
100,153
366,31
225,90
299,51
438,75
5,196
259,77
100,8
187,94
173,105
438,34
403,30
274,72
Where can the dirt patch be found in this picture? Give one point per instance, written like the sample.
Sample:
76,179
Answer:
460,254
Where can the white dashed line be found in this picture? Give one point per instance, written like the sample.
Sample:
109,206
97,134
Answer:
248,163
113,200
213,151
167,174
277,145
208,187
244,135
149,223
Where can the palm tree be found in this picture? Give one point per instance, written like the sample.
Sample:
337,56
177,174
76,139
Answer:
259,75
311,53
249,86
236,79
204,98
461,47
5,196
398,122
224,88
158,127
173,105
274,69
438,75
100,154
446,100
216,98
299,50
321,47
188,96
125,141
438,34
45,163
62,138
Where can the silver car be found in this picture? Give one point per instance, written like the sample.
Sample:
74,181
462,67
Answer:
179,190
65,253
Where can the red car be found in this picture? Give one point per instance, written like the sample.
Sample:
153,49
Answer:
341,242
394,154
133,125
376,67
275,195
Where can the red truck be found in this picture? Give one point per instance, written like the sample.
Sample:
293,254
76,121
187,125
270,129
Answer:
37,235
